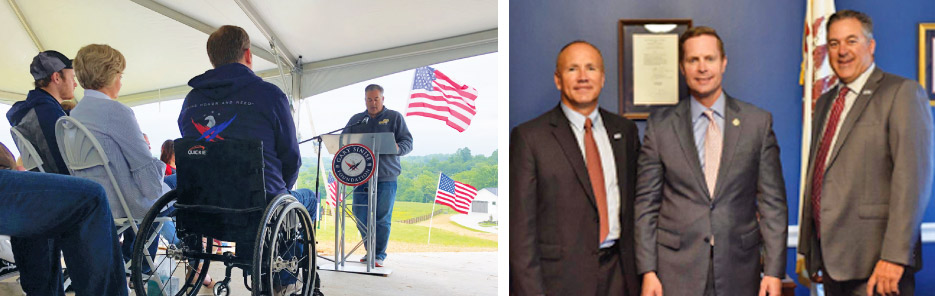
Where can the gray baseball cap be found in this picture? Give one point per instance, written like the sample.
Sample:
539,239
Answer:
48,62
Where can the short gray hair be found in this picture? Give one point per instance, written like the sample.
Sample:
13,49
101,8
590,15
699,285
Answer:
374,87
861,17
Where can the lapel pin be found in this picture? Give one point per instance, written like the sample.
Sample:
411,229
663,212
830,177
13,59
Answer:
867,92
617,136
736,122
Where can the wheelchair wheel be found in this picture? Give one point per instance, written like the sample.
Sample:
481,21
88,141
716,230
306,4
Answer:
284,255
169,258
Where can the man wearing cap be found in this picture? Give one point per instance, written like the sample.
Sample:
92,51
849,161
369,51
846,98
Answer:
35,117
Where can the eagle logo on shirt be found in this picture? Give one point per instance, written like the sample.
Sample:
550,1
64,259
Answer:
211,130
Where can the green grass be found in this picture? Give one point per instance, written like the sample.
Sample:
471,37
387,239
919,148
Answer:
403,210
465,227
406,233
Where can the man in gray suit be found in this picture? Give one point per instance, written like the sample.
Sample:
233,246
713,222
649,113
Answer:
870,171
710,191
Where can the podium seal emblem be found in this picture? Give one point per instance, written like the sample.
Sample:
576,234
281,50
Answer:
353,164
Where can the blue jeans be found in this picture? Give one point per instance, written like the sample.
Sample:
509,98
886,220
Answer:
386,196
74,215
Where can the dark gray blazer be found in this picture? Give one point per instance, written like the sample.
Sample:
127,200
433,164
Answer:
554,224
675,217
877,181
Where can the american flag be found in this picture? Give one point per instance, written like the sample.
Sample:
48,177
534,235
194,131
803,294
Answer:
435,95
455,194
816,78
332,190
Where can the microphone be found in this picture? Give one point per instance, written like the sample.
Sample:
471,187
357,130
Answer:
361,122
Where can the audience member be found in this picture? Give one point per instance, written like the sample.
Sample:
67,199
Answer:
230,101
68,105
138,174
168,156
35,117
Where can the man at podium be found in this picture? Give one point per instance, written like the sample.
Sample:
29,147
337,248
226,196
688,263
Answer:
379,119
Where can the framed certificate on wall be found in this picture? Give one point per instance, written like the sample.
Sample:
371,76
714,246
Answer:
647,64
927,59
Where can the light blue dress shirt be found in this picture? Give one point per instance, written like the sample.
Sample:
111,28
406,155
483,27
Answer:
700,122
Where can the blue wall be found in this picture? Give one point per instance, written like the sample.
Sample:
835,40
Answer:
763,41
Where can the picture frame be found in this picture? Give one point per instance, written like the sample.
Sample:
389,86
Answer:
927,59
640,92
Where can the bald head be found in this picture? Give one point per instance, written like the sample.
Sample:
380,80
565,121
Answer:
577,43
579,76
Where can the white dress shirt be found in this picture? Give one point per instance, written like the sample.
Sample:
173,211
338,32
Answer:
608,164
855,88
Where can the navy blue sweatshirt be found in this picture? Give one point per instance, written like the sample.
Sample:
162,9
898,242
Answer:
36,117
231,102
385,121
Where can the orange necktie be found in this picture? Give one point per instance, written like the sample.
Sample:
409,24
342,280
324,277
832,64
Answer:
596,174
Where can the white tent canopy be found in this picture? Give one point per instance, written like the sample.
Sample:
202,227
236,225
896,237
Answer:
317,45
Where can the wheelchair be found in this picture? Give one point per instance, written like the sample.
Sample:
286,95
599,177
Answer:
221,195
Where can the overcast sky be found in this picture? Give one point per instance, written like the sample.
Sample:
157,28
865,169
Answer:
331,110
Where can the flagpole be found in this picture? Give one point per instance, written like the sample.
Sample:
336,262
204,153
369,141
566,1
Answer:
411,84
432,215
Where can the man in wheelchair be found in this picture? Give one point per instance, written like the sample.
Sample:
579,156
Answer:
230,102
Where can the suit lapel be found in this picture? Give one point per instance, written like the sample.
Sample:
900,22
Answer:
732,114
863,98
618,144
819,116
561,129
683,130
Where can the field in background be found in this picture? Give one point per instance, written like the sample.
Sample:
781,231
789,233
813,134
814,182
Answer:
447,236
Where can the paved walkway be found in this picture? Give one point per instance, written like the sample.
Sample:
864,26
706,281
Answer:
473,222
415,274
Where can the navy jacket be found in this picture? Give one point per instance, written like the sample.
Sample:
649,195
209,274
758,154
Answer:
35,118
385,121
231,102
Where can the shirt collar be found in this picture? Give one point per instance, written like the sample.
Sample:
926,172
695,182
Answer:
577,119
90,93
367,112
858,84
697,109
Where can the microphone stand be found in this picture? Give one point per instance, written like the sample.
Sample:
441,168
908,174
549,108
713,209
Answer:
318,139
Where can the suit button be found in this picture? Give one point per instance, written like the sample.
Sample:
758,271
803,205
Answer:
712,206
707,239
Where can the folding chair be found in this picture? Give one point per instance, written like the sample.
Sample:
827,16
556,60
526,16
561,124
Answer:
27,151
81,150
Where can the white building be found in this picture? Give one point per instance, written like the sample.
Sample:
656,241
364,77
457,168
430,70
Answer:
485,204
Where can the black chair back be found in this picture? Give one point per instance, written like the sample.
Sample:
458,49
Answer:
221,188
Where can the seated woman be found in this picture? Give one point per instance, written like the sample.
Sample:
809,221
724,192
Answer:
139,175
168,156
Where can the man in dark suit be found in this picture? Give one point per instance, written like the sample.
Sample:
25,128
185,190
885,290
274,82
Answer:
710,192
869,173
572,177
